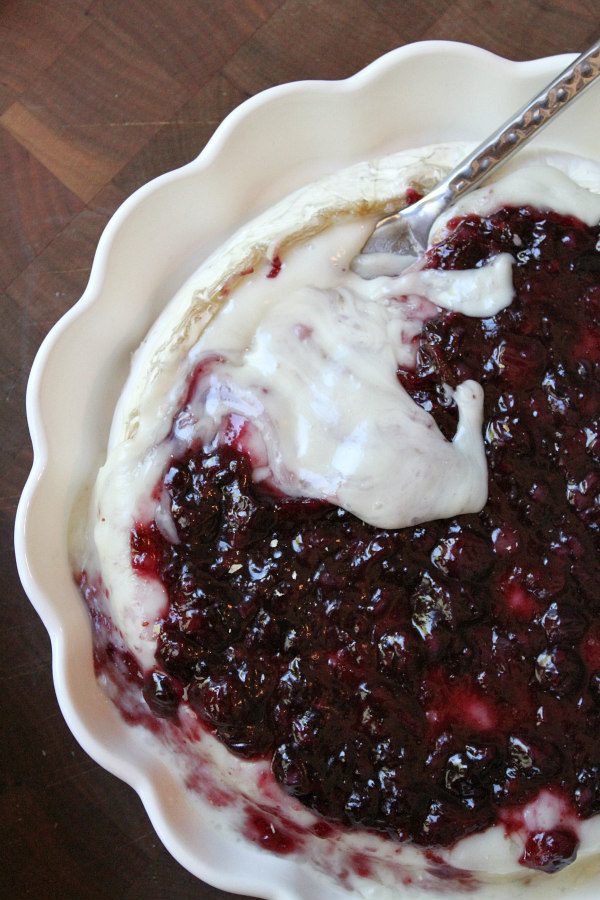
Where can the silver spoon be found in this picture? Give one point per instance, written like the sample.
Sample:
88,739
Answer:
405,233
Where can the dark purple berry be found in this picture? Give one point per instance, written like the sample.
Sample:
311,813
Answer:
558,671
550,851
464,556
161,694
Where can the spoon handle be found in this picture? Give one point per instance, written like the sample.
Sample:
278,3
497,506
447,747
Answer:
521,127
405,233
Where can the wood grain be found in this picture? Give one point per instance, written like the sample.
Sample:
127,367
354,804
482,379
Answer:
35,208
180,140
96,98
33,35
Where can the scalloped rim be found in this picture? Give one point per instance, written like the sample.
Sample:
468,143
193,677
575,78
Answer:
43,596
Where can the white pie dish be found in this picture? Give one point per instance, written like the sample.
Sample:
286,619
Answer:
284,138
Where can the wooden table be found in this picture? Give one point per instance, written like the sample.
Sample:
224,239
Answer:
96,98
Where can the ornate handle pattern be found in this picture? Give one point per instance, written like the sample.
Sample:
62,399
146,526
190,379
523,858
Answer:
519,129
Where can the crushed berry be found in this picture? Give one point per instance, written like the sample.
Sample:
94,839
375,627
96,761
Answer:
275,267
416,682
550,851
268,834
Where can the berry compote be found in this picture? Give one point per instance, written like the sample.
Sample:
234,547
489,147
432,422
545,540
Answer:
427,682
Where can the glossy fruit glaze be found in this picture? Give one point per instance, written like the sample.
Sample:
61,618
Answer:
424,683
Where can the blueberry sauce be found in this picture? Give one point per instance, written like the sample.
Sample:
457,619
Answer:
426,682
